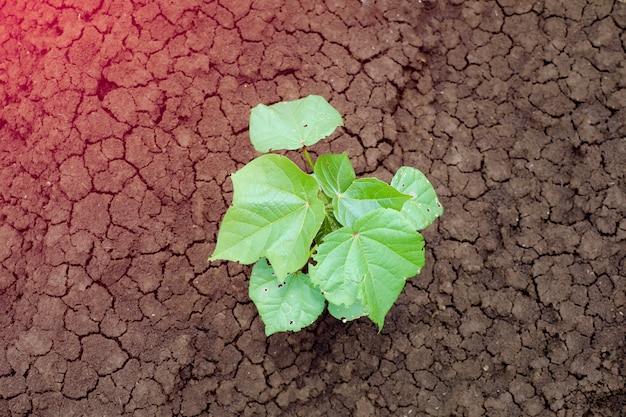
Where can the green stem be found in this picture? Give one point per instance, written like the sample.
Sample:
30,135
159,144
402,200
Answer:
308,158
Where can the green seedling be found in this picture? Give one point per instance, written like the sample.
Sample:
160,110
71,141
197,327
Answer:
323,237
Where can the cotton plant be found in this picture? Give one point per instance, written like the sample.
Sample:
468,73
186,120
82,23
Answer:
325,238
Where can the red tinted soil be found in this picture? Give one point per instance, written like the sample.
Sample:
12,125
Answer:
120,122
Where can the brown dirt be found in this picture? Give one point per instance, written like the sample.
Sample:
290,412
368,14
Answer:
120,122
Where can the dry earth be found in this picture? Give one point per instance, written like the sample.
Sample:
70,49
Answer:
121,120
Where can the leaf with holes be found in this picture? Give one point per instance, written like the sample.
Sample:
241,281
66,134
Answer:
343,313
365,195
289,305
368,262
275,214
292,124
424,206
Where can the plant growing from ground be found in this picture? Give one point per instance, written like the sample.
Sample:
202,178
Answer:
324,237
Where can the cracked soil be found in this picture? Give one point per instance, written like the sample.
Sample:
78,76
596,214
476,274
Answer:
121,120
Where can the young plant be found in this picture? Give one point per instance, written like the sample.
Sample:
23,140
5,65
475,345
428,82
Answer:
325,236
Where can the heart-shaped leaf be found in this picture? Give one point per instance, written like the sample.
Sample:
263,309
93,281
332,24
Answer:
368,262
424,206
275,214
334,173
365,195
289,305
292,124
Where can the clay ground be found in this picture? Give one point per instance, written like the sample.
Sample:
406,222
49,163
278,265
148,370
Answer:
120,122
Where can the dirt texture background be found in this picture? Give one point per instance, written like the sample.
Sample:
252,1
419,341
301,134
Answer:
121,120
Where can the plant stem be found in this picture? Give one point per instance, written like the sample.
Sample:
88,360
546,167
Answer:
308,158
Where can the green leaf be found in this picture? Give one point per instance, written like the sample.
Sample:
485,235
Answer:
340,312
368,262
275,214
334,173
364,196
283,306
424,206
292,124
